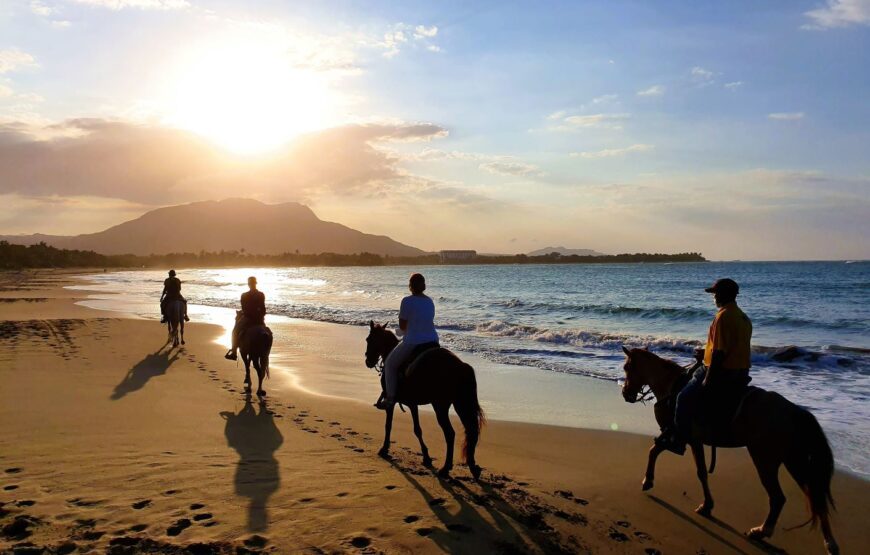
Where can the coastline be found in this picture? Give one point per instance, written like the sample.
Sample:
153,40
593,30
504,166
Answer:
86,456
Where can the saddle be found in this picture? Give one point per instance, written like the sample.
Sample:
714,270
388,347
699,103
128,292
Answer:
407,367
713,425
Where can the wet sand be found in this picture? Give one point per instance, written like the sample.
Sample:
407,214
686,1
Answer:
112,441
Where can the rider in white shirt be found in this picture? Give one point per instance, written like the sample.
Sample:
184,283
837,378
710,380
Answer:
417,321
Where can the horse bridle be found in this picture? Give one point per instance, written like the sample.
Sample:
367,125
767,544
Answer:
645,393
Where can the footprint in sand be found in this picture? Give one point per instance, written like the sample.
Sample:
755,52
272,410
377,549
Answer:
360,542
179,526
425,531
617,536
25,503
623,523
10,487
138,527
141,504
66,548
256,541
196,506
171,491
342,494
437,502
411,518
391,486
92,535
202,516
14,470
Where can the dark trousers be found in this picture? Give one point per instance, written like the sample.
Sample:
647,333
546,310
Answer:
688,401
697,402
242,324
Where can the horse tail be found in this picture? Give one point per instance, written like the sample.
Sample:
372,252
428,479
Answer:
469,410
811,463
264,356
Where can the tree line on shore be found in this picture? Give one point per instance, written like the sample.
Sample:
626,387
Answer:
42,255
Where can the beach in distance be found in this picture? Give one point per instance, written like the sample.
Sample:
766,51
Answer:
113,441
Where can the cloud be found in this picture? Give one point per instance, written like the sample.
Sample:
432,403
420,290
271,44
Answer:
39,8
613,152
734,85
557,115
602,121
402,35
605,98
158,165
655,90
786,116
13,59
701,76
512,168
137,4
839,13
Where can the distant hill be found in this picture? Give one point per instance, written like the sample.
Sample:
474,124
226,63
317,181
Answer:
565,252
228,225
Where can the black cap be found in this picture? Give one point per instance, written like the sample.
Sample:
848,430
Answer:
724,285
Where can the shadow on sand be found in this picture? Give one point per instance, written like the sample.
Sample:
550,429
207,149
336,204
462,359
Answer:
151,366
255,437
511,521
764,546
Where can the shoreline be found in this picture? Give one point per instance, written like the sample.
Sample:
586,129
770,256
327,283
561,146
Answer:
72,383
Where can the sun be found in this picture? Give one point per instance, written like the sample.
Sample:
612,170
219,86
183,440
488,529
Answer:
248,97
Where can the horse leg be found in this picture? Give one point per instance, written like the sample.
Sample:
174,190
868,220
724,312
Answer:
418,431
182,331
388,426
706,508
649,478
247,362
767,466
442,413
260,373
468,414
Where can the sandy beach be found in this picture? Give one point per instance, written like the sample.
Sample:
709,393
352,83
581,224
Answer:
110,441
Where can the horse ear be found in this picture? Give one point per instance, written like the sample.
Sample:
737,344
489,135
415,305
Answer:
646,348
626,351
371,324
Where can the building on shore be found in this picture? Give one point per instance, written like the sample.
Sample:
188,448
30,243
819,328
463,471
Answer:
453,256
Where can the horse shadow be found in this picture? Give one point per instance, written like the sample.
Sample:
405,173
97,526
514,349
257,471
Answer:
762,545
255,437
153,365
513,526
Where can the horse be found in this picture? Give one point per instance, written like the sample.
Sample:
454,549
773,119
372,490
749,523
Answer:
774,430
438,378
255,344
175,321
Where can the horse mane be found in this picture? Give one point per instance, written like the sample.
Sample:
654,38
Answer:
652,357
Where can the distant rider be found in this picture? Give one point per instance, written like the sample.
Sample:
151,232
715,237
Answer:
253,314
417,326
725,372
171,292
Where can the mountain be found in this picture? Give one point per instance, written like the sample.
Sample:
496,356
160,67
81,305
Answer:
565,252
232,224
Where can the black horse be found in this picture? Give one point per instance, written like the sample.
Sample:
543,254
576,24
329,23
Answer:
255,344
438,378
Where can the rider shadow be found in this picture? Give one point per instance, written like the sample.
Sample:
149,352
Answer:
764,546
503,529
151,366
255,437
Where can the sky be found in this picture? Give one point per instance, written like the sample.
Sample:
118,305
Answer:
737,129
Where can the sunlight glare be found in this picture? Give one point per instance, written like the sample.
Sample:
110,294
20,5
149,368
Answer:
248,97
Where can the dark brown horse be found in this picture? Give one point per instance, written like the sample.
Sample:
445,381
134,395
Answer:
255,344
774,430
438,378
175,322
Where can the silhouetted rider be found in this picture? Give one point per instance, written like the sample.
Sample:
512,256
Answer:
725,370
171,292
253,314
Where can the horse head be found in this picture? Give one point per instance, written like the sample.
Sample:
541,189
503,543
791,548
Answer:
635,380
379,343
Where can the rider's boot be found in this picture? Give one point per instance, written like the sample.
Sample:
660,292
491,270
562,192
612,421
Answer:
385,403
670,441
186,318
231,355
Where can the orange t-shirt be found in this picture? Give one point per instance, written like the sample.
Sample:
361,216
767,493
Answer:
731,333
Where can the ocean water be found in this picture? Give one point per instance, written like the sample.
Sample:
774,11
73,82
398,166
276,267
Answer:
574,319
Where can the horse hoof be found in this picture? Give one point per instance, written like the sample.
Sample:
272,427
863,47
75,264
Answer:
647,484
475,472
384,453
261,393
427,462
182,342
444,472
758,533
832,548
704,510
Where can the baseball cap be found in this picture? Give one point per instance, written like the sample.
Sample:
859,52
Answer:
724,285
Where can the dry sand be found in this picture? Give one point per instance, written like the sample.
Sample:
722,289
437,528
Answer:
111,441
